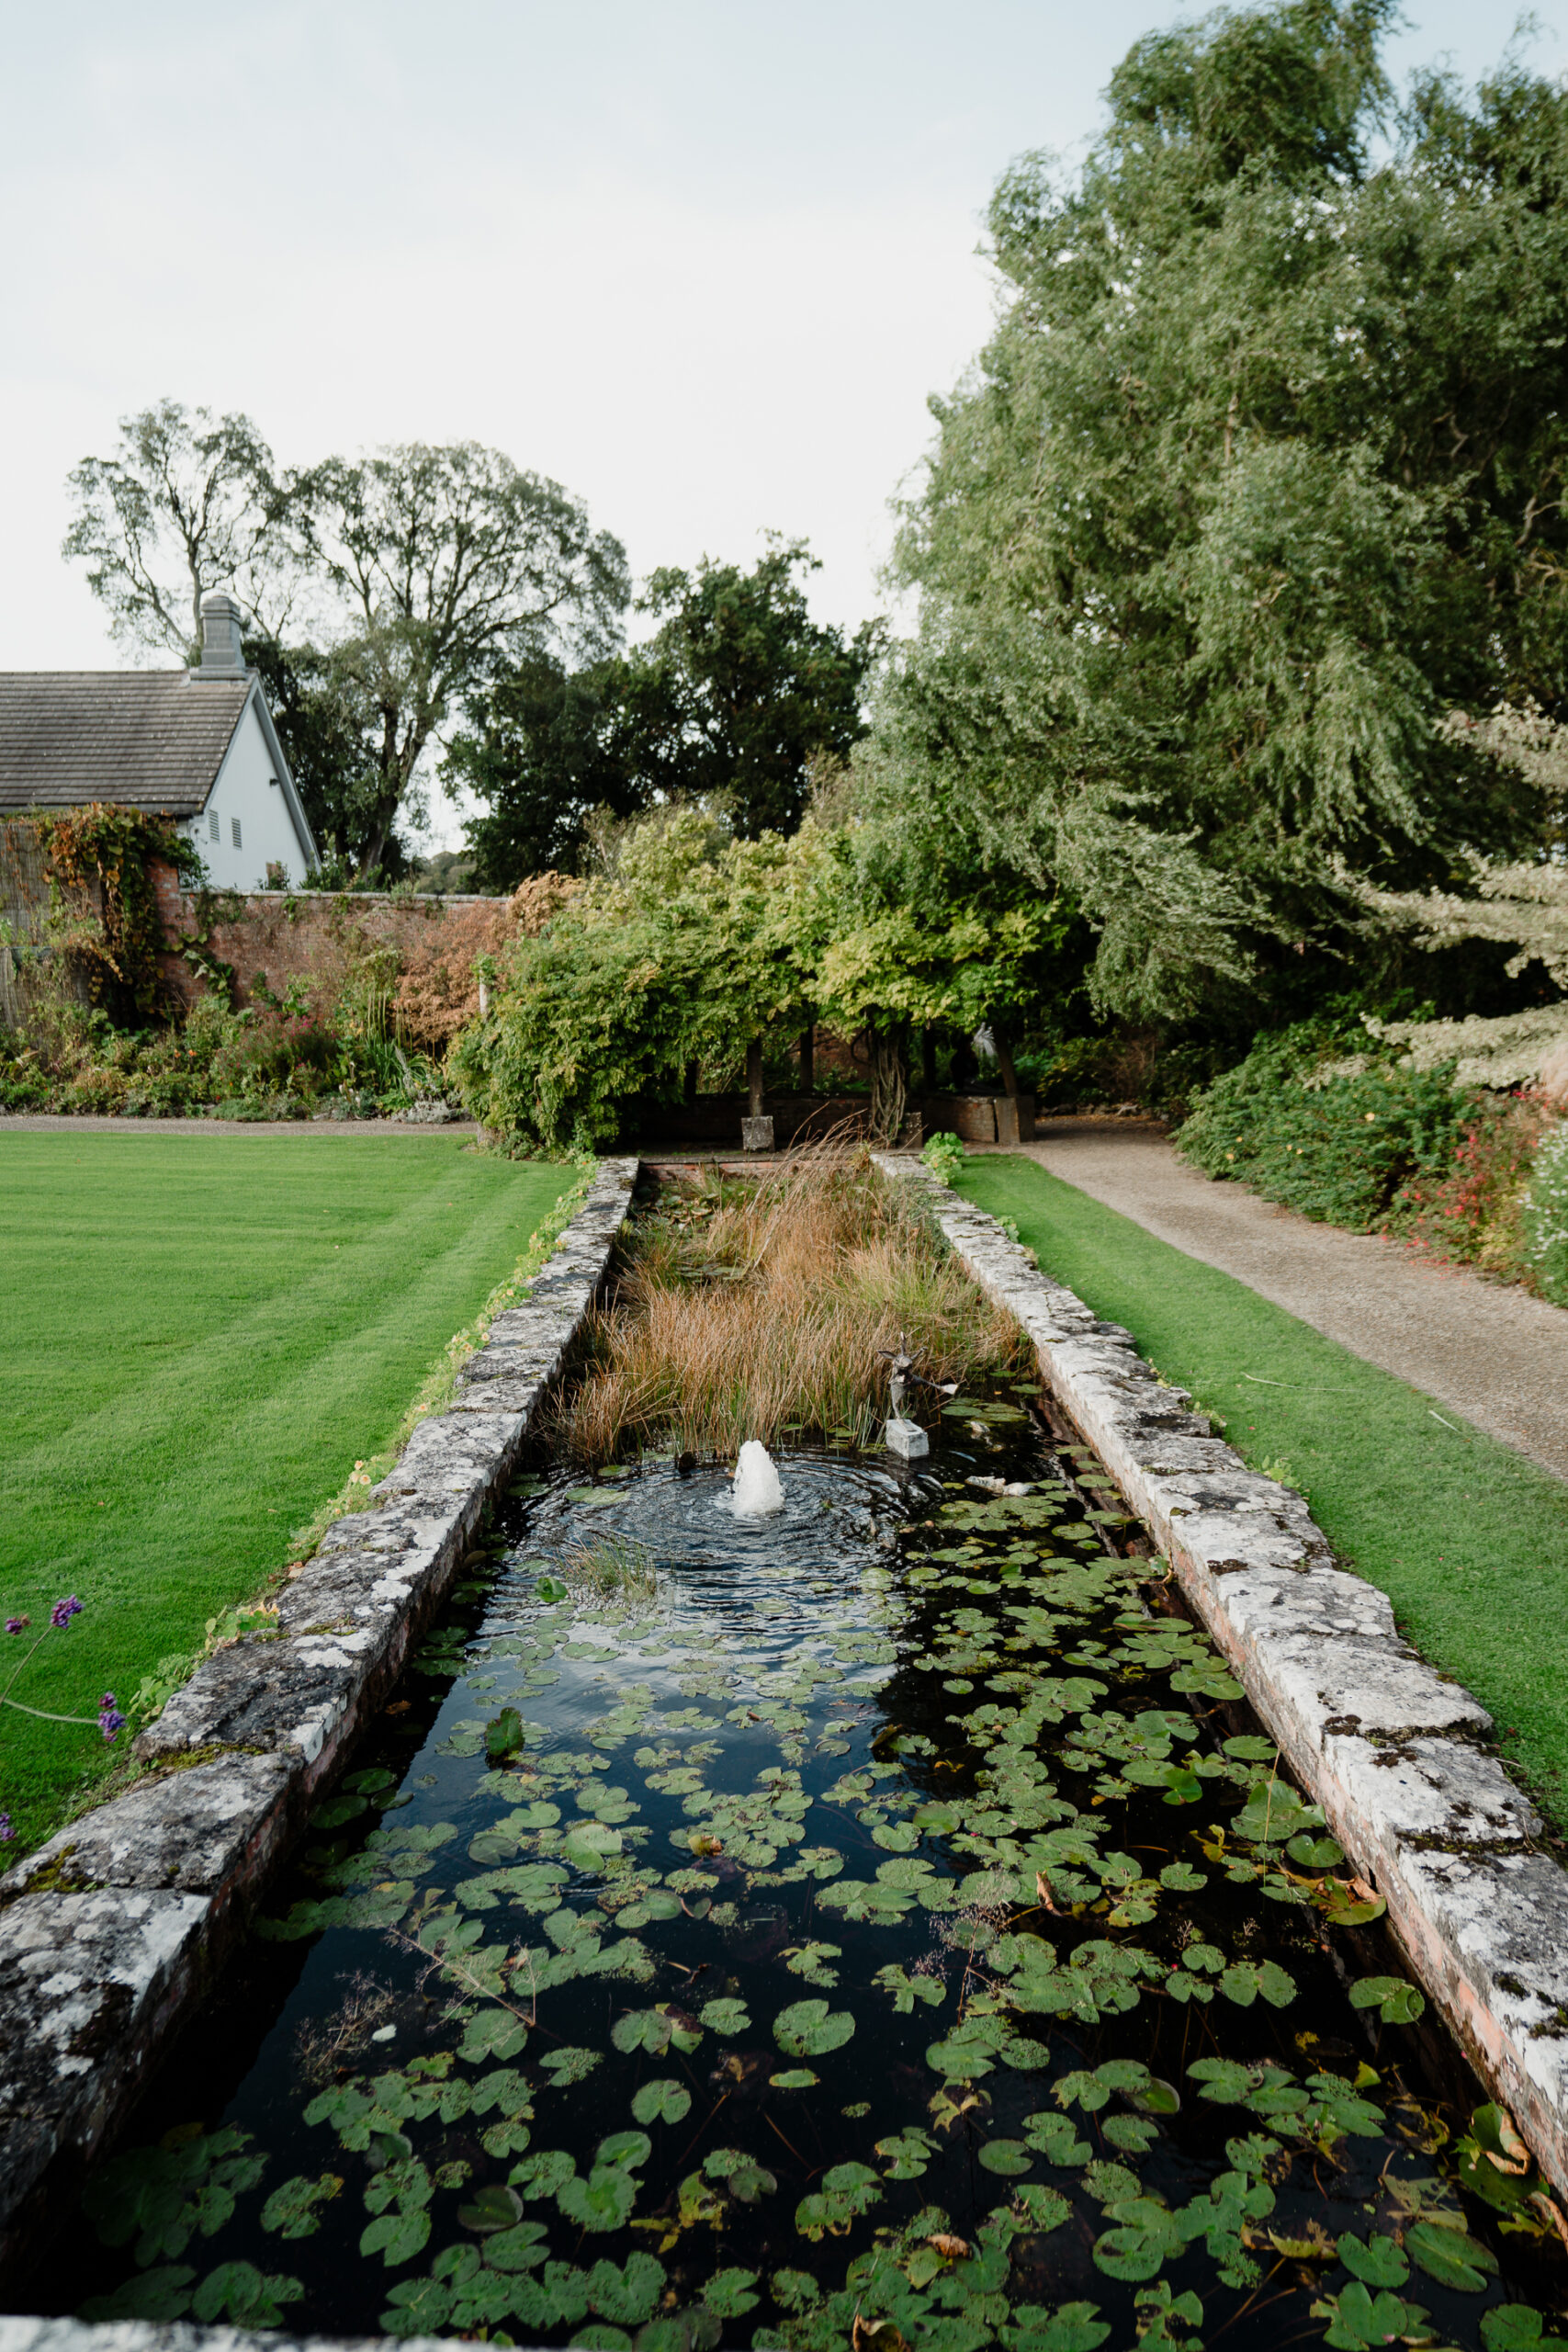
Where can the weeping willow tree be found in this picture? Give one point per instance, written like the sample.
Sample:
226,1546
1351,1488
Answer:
1258,480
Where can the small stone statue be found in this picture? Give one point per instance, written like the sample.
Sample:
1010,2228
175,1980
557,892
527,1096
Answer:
903,1436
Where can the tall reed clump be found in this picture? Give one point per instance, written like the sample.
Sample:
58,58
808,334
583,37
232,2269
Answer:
758,1309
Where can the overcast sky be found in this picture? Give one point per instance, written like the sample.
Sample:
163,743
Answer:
703,261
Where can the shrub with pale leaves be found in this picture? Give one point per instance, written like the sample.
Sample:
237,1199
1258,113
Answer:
1546,1215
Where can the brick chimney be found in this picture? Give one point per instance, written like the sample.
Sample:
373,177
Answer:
222,626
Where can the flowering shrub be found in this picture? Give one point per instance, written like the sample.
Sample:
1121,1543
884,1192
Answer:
1472,1211
1546,1216
109,1719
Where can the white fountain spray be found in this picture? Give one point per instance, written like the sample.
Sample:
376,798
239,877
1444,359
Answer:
756,1489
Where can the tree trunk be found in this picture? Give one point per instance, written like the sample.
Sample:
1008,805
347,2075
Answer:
692,1076
754,1077
928,1060
808,1058
889,1077
1004,1060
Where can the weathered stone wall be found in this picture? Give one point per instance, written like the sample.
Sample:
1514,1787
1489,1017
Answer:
1396,1754
112,1932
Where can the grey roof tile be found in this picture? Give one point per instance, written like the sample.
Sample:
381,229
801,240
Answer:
148,739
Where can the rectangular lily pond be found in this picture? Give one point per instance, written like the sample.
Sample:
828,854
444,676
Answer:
874,1924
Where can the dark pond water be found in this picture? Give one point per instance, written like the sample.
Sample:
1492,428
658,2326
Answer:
888,1927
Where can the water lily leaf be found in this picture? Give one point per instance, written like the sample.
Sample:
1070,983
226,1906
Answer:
490,2209
1514,2328
1377,2261
417,2306
1071,2328
333,1816
661,2102
568,2065
1450,2256
730,2016
247,2297
1180,1878
522,2247
1245,1980
847,2191
1056,2137
1007,2157
627,2148
907,2154
1360,2319
1274,1813
809,2028
795,2078
908,1990
742,2175
630,2296
589,1843
940,1820
1396,2001
1134,2134
396,2237
1134,2254
601,2203
727,2293
291,2209
503,1736
697,2329
1315,1853
492,2033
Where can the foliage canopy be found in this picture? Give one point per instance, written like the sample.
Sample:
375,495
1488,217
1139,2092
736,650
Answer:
1258,477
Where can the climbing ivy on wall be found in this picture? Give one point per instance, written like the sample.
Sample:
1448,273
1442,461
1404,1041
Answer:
104,854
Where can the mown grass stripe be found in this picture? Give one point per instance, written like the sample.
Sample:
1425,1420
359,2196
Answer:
1468,1539
200,1337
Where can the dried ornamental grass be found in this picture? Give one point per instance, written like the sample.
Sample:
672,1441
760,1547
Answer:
759,1310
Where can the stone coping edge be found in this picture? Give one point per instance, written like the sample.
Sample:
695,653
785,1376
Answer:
112,1932
1395,1753
183,2336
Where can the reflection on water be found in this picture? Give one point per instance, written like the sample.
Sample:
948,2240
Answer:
742,1928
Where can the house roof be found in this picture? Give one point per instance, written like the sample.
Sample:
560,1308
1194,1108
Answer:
147,738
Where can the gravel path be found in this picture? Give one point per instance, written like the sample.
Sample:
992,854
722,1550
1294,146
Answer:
1493,1354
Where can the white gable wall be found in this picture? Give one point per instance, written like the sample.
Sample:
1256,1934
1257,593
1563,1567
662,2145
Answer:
247,793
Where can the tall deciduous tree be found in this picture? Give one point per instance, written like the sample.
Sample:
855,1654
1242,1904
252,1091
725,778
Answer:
757,689
1261,475
384,591
551,749
188,502
444,564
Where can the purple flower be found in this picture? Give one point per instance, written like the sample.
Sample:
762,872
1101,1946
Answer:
6,1829
64,1611
15,1624
111,1722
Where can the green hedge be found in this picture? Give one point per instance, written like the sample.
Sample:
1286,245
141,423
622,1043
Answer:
1339,1147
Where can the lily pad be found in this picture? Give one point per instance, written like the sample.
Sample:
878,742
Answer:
661,2102
809,2028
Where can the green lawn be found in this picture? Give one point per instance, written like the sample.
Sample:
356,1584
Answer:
1469,1540
199,1338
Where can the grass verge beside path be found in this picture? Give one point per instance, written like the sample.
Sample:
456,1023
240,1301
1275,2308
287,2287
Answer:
200,1338
1468,1540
